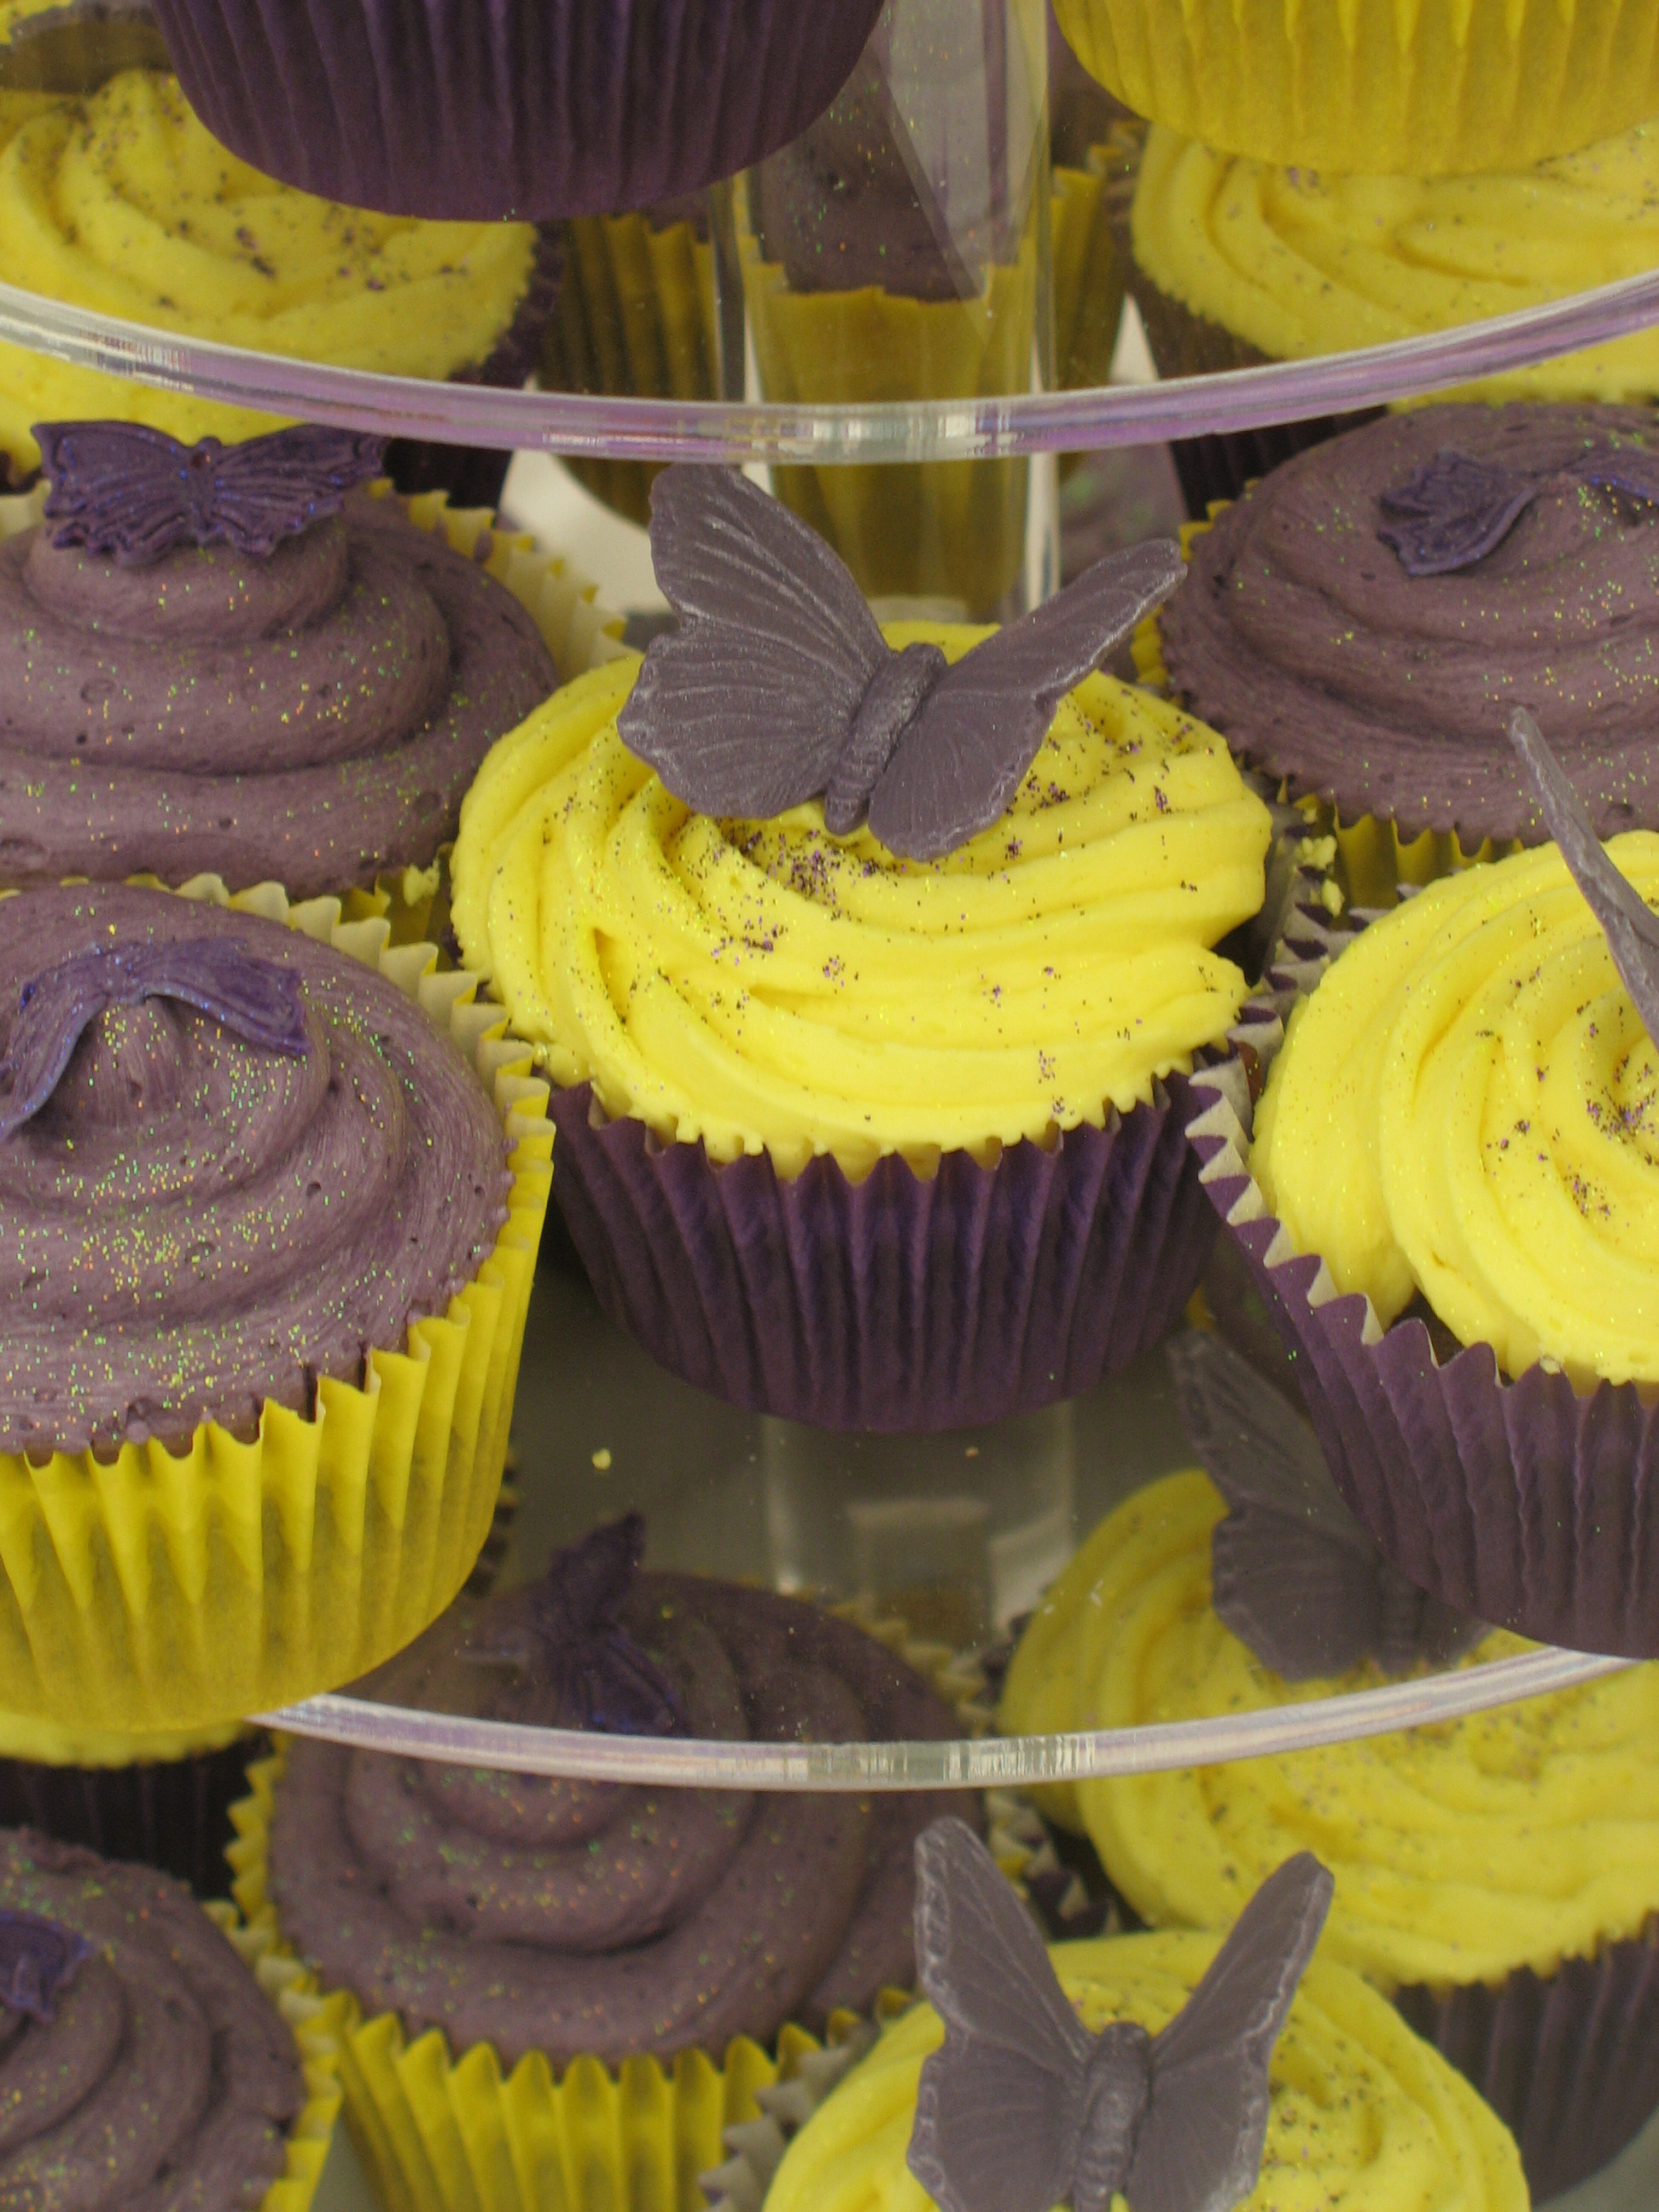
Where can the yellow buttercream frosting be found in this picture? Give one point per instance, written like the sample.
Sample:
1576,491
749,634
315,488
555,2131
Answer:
1364,2114
121,202
1463,1851
1468,1105
1300,263
767,985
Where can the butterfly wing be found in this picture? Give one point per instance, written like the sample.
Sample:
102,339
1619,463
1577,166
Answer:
53,1011
1000,2107
958,764
1199,2145
115,487
261,1001
260,491
1631,927
1255,1447
743,709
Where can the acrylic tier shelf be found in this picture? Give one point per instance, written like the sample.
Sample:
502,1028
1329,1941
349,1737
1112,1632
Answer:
955,1535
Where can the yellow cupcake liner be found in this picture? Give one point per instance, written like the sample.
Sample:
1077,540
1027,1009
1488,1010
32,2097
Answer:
1376,87
312,2128
1089,272
444,2134
1372,860
155,1592
636,317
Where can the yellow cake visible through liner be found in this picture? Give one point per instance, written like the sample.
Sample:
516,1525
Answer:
1364,2114
1462,1852
771,987
123,204
1468,1106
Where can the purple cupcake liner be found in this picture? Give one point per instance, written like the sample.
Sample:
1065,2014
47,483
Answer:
1567,2061
533,109
898,1302
1519,1503
170,1814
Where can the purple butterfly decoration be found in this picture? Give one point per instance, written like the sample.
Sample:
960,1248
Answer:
1292,1573
778,686
38,1958
1454,510
123,489
1024,2108
1630,925
256,999
600,1678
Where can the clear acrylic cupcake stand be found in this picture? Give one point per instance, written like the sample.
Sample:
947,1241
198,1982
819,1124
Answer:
958,1535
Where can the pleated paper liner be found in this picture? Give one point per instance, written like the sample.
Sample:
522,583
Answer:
1519,1503
1370,859
162,1592
312,2128
438,2132
578,630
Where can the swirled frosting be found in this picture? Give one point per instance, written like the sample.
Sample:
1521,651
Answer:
1461,1853
163,2076
312,719
569,1917
122,202
1469,1107
1300,263
1301,634
1363,2114
770,985
194,1223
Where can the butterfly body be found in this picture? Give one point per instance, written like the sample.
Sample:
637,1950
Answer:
778,687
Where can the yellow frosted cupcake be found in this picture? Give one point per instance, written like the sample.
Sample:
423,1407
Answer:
965,1072
1369,88
121,203
1221,2074
1452,1189
1498,1876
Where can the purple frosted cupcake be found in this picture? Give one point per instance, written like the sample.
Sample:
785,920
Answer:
225,662
873,1008
534,109
570,1917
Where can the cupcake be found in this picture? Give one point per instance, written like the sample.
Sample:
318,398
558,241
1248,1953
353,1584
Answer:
1169,2069
1233,262
244,1170
1498,1876
1361,623
777,1037
543,111
877,267
120,203
1362,88
1445,1195
162,1799
224,663
497,1925
141,2059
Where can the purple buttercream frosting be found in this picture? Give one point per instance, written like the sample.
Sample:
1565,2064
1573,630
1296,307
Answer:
1302,635
313,718
194,1222
160,2075
571,1916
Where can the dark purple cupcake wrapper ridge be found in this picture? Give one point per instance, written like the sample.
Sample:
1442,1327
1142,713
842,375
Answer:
1519,1503
171,1814
1567,2061
532,109
900,1303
